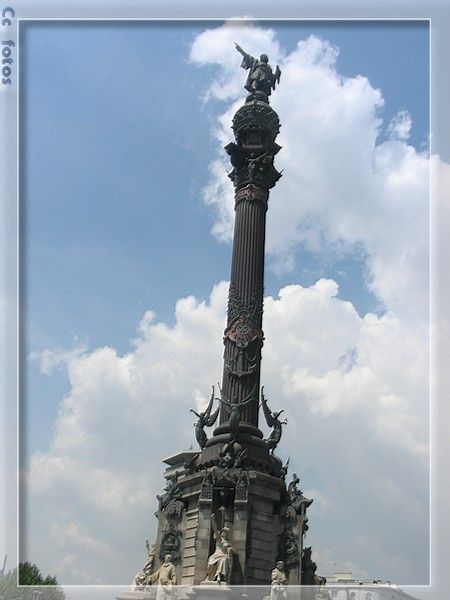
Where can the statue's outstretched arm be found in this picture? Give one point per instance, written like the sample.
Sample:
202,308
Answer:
247,59
154,577
239,49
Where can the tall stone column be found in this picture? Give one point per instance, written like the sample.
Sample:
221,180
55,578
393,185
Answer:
255,126
226,515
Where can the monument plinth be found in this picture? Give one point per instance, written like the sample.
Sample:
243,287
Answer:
226,516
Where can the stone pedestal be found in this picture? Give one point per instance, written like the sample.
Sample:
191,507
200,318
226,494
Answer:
211,591
148,594
253,506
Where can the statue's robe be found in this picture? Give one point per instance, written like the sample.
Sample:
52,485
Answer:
165,577
260,75
219,564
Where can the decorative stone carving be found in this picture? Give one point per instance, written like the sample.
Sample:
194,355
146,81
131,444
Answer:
236,306
237,155
205,419
171,505
190,464
243,318
242,361
220,563
140,581
258,171
232,456
288,548
172,490
293,486
234,408
251,193
242,487
259,118
206,492
284,470
171,544
243,337
143,577
305,525
301,503
243,330
308,567
287,513
272,420
298,501
173,510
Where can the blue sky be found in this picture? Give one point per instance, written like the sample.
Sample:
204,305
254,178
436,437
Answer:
117,141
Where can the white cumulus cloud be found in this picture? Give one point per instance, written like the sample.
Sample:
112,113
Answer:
124,414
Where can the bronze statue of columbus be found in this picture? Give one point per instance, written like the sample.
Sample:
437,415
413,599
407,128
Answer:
261,80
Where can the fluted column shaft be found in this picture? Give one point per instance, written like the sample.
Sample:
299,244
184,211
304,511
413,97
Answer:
246,296
255,126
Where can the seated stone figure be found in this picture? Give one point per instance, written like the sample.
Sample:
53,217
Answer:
220,563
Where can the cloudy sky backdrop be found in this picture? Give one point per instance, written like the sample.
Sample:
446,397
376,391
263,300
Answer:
127,217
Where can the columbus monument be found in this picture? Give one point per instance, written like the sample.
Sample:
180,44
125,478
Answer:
228,515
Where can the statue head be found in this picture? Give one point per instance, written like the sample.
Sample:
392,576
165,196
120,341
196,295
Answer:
226,530
264,58
280,565
167,558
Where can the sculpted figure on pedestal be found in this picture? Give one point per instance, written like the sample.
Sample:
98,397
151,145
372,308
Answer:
234,408
279,580
260,78
232,455
284,470
165,577
172,490
293,486
143,577
299,502
205,419
272,420
220,563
